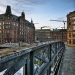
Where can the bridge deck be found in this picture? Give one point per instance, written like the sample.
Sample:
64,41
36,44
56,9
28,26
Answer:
68,63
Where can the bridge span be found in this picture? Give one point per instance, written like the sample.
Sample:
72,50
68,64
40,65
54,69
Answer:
45,57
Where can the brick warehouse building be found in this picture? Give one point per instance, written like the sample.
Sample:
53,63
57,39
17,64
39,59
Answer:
43,35
71,29
59,35
15,29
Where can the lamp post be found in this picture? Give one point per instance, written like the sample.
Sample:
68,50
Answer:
35,34
62,33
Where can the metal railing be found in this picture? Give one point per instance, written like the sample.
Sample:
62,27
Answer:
43,59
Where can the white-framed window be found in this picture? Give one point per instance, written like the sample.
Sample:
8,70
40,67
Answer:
7,26
20,32
20,29
0,23
0,27
73,27
73,22
8,31
73,17
7,22
17,24
14,24
20,20
3,23
3,27
8,17
0,31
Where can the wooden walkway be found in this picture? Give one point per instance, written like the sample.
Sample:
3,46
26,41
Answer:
68,63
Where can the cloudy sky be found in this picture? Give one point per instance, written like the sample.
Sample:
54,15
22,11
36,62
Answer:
41,11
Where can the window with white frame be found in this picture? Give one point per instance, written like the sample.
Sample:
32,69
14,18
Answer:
7,31
73,17
0,27
7,22
73,27
0,31
7,26
3,27
73,22
0,23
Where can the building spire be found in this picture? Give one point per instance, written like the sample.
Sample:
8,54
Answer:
23,14
8,10
32,22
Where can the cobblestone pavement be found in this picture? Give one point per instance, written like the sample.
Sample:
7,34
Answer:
68,63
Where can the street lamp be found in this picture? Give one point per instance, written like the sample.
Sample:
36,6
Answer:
62,33
35,34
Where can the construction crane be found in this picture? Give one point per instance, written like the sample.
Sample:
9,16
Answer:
60,21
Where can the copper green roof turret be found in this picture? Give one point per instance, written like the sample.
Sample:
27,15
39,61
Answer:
32,24
31,21
8,10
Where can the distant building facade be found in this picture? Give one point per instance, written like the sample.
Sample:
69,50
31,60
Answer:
59,35
30,31
71,29
14,28
43,35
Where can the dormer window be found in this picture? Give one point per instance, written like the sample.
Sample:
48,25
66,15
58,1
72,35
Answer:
16,19
1,18
8,16
13,19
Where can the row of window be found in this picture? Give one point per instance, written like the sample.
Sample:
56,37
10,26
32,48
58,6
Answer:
72,18
1,23
22,33
14,19
73,34
1,27
7,31
7,26
71,42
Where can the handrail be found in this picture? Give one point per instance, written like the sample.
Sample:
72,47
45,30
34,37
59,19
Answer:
38,60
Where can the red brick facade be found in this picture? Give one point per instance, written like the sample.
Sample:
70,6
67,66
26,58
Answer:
59,35
71,29
43,35
15,29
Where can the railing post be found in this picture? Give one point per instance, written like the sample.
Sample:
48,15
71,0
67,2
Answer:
56,47
25,69
31,63
49,70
